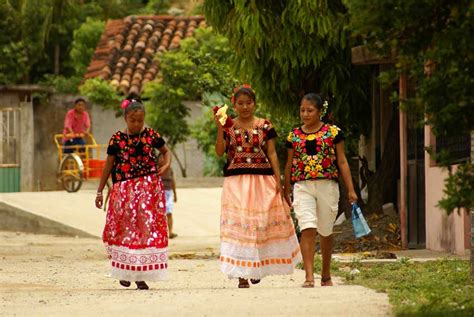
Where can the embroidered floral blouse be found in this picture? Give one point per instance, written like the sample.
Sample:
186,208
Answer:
314,153
134,156
245,149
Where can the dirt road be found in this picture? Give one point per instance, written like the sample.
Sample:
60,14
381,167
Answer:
43,275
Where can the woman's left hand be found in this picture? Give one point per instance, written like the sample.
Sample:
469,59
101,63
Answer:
278,189
352,197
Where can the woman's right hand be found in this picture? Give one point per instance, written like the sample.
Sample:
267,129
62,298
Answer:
99,201
217,122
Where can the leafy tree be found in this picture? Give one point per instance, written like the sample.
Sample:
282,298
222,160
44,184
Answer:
100,92
37,35
85,41
288,48
62,84
83,46
21,42
204,131
429,41
200,66
156,7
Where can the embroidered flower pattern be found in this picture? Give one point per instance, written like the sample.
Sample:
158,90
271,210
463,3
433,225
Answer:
245,148
134,156
315,153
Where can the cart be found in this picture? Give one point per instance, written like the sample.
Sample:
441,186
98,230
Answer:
83,163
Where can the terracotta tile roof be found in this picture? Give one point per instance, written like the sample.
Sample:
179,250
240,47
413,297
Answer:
126,50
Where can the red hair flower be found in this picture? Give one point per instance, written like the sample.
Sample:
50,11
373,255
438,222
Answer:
236,89
124,104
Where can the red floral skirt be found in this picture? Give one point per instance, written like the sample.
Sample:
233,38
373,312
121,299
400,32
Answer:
136,231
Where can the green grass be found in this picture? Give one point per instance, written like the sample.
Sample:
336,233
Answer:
435,288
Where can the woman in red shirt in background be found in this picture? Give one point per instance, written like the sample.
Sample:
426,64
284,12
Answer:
77,122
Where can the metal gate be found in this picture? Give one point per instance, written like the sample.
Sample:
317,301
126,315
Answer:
10,148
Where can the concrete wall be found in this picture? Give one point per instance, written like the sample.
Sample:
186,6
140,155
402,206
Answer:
443,232
104,124
188,152
49,120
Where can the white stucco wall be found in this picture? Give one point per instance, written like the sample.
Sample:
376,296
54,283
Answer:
443,232
104,124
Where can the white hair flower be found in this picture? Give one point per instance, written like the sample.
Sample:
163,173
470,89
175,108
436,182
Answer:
324,110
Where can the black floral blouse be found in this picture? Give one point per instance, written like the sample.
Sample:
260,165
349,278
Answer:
134,154
314,153
246,149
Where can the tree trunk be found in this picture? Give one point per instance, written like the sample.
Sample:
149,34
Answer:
56,58
181,166
382,185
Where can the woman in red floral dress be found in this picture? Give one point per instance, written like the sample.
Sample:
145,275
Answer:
135,233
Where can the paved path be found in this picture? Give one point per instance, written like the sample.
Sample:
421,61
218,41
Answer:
196,215
46,275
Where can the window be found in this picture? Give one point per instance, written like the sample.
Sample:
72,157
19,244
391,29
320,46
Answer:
459,146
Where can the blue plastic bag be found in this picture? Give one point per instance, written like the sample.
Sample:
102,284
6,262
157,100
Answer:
361,228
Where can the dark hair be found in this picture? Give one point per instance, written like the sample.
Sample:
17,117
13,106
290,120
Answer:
136,104
315,99
245,91
80,99
134,96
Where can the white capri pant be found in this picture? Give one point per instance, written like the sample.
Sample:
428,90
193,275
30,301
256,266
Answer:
315,203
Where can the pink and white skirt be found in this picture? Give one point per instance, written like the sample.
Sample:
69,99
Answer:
257,233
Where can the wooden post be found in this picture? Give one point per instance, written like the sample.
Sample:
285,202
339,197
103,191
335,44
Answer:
472,245
472,215
403,162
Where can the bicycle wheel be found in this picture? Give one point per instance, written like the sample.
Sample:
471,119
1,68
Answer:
71,172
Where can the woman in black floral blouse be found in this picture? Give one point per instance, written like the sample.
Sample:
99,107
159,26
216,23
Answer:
315,159
135,233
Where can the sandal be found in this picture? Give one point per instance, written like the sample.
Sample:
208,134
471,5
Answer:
173,235
254,281
308,284
326,281
243,283
125,283
141,285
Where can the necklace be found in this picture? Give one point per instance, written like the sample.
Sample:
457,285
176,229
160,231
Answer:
320,125
130,140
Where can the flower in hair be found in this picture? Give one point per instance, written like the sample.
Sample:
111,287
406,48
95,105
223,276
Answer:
324,110
236,89
124,104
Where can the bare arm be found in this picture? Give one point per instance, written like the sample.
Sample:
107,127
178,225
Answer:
173,186
109,162
273,158
287,187
345,172
220,141
88,124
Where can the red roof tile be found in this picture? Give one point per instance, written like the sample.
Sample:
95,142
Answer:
126,50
